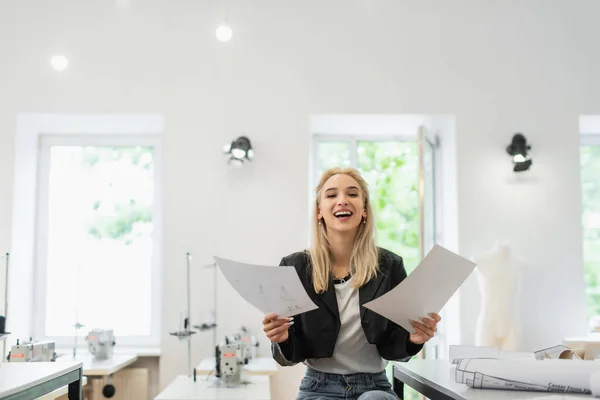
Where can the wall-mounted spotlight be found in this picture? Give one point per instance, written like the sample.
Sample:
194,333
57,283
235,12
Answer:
518,149
239,151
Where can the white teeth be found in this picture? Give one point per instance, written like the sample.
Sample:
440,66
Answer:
343,214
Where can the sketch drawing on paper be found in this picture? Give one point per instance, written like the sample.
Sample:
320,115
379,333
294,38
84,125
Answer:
291,302
285,296
268,288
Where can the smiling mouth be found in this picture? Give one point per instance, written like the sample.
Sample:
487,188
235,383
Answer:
342,214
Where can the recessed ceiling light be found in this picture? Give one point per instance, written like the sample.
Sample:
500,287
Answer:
59,63
224,33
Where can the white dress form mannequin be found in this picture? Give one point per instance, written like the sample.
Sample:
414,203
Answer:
498,276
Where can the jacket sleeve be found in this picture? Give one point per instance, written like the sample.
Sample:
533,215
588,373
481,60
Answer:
398,347
288,353
278,350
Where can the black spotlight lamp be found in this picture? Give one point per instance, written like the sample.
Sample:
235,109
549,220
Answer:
239,150
518,149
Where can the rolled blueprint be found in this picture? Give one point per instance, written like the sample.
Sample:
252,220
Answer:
595,383
552,375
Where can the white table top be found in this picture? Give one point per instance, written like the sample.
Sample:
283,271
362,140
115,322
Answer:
591,338
137,351
60,392
256,366
206,388
18,377
103,367
439,375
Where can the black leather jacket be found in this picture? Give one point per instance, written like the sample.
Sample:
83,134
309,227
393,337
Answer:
315,332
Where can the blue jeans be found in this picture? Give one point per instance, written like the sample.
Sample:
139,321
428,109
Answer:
323,386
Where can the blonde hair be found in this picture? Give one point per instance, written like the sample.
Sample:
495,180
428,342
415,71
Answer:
364,263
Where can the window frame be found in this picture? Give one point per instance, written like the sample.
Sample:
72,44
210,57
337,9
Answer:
317,138
439,341
352,139
45,142
588,140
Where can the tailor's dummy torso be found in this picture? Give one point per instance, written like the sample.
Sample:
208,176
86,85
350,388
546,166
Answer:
498,276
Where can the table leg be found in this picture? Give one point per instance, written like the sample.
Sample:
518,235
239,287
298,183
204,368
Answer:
398,387
75,388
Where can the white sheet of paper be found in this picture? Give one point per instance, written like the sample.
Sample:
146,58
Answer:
268,288
427,289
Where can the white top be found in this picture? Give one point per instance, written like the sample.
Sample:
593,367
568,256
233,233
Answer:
353,353
103,367
256,366
210,388
18,377
440,375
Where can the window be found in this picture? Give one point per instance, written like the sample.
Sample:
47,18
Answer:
590,184
391,168
98,237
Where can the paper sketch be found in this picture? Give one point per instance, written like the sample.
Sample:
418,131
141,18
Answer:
552,375
285,296
427,289
268,288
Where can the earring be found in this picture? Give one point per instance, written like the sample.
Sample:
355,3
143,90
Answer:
319,223
365,220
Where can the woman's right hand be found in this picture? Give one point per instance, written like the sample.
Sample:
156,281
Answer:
276,328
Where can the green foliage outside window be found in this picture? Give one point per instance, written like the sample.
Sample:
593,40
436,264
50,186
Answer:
117,218
391,170
590,185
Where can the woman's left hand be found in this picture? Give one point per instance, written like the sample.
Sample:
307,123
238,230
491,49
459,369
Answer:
425,329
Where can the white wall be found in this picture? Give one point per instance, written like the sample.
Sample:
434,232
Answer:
498,67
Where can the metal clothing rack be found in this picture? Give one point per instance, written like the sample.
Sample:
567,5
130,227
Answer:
185,330
3,335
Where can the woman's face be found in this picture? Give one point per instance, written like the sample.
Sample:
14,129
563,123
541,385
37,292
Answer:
342,204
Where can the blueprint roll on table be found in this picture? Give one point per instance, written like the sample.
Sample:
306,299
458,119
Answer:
553,375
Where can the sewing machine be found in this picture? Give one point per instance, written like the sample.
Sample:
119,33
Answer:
232,355
101,343
250,344
230,360
41,351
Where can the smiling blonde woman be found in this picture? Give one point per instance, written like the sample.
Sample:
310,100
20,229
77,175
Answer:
345,346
